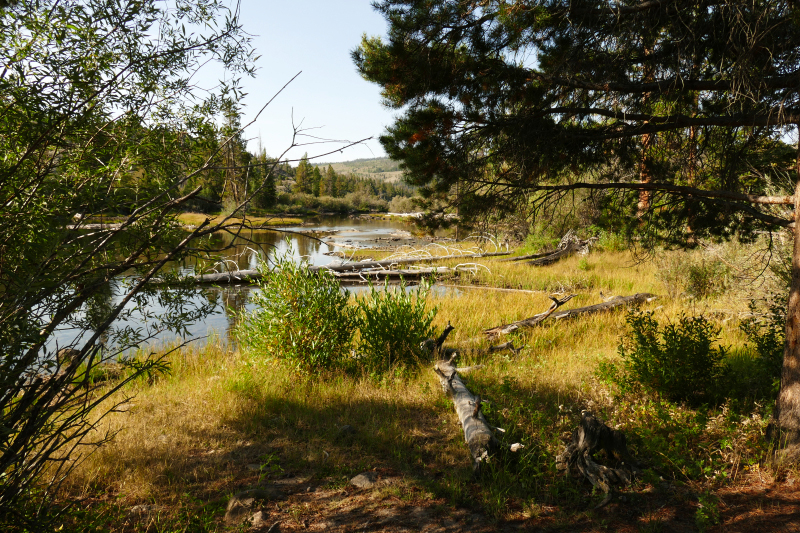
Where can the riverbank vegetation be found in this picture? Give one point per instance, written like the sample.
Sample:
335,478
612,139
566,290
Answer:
225,419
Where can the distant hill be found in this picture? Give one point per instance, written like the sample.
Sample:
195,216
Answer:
380,168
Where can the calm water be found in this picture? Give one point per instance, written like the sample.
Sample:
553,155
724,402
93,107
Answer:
244,252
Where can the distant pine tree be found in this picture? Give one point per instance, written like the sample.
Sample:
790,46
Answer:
302,176
330,182
315,181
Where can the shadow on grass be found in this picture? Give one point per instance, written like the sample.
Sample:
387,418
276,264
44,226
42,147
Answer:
416,445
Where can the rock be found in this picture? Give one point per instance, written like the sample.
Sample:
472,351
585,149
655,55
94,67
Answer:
242,504
365,480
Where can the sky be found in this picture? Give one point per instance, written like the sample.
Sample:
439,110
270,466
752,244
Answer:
315,38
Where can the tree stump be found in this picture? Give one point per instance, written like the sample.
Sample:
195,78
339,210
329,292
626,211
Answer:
590,437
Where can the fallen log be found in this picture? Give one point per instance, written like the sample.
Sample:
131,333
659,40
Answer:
570,243
528,322
362,265
389,274
240,276
567,251
618,301
524,257
478,434
590,437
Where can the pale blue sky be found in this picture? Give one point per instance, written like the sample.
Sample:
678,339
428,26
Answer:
315,37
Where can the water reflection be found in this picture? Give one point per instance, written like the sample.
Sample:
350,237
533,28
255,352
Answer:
243,251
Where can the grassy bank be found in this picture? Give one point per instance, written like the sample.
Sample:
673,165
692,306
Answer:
223,421
195,219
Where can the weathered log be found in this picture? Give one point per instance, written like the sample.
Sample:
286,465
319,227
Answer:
362,265
619,301
524,257
528,322
568,250
384,274
478,434
240,276
590,437
570,243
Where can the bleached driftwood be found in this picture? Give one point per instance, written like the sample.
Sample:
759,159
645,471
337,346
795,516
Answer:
619,301
240,276
590,437
528,322
250,276
389,263
478,434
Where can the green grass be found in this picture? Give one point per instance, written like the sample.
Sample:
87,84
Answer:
195,219
193,432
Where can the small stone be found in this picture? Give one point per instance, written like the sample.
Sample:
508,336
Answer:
365,480
241,504
254,467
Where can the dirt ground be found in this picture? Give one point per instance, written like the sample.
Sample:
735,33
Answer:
758,504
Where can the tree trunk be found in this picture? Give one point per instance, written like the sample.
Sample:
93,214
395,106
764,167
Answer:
786,418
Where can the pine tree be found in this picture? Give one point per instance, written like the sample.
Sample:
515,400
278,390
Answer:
330,181
620,89
316,181
302,176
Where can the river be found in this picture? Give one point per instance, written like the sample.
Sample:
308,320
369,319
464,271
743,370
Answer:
307,242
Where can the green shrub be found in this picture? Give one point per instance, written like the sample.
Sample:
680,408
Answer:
693,275
302,318
610,241
392,324
679,361
758,373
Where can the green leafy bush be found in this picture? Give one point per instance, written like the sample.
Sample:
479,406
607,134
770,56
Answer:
303,318
694,275
679,361
756,372
392,324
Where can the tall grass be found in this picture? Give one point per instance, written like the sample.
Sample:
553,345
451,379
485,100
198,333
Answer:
199,432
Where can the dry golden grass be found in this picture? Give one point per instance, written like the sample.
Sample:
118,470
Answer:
197,430
195,219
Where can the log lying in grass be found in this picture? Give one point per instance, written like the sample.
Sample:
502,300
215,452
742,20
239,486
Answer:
570,243
590,437
528,322
613,303
478,434
619,301
524,257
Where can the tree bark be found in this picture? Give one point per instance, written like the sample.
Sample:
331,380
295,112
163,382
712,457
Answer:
786,418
